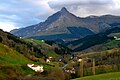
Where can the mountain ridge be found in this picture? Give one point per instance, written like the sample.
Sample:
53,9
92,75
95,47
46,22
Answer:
59,22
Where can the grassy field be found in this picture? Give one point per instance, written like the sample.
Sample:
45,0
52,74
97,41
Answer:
10,56
12,63
107,76
35,41
115,34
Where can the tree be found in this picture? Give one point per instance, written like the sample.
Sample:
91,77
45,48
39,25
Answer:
0,39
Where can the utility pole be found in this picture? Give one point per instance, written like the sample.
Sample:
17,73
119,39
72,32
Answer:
93,68
81,67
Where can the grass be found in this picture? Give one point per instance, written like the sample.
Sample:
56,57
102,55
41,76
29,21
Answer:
107,76
113,42
110,45
9,56
115,34
12,62
35,41
38,41
52,54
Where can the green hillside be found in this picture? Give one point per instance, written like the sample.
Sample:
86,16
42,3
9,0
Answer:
98,42
16,52
115,34
12,63
108,76
9,56
110,45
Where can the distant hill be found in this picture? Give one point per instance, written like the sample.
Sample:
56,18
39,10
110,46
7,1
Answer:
63,25
97,42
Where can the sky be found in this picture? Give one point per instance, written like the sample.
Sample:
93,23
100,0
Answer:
16,14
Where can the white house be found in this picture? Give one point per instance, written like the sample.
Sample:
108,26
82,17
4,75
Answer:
68,70
20,37
116,38
42,41
60,60
49,59
36,68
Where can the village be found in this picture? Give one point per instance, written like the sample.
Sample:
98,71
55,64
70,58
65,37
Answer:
40,68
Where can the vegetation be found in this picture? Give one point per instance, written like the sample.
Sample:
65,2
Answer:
13,66
108,76
35,41
92,41
32,49
105,62
16,52
12,63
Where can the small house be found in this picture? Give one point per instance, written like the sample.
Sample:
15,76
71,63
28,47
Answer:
36,68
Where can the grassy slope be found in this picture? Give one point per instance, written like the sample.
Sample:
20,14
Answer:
12,62
111,44
9,56
35,41
108,76
115,34
45,47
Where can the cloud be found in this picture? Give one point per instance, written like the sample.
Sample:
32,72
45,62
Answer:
22,13
87,7
7,26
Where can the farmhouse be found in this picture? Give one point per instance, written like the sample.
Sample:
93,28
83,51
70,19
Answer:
36,68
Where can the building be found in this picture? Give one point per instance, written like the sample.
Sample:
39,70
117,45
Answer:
116,38
48,60
70,70
36,68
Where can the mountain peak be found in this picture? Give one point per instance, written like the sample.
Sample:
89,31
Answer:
64,10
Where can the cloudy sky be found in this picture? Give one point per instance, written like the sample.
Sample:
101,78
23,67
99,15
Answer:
22,13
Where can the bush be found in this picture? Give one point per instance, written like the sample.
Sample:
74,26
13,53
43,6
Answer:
57,74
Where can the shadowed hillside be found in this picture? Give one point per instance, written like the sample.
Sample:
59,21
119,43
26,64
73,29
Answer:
93,41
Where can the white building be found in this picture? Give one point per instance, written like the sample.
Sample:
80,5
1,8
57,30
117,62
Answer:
70,70
116,38
49,59
42,41
36,68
